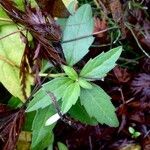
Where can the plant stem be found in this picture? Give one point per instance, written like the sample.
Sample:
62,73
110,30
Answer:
85,36
128,26
52,75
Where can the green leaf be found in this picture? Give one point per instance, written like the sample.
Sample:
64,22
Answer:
42,99
4,19
136,134
20,4
46,142
70,72
78,25
131,130
71,6
29,118
42,135
99,66
79,113
62,146
11,52
14,102
70,96
45,65
98,105
62,22
84,84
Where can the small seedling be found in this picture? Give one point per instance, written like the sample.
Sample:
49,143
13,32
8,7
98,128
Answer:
134,134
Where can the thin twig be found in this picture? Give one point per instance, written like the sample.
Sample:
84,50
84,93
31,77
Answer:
128,60
55,103
90,143
122,96
123,115
103,7
64,118
98,45
137,40
85,36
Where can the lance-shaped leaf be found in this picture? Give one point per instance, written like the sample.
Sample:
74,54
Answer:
42,99
98,105
70,96
72,74
79,113
84,84
11,52
42,135
99,66
79,25
62,146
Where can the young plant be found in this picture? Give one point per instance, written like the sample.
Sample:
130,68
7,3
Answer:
72,91
75,92
134,134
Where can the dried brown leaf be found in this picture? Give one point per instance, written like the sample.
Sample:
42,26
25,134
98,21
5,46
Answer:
121,74
11,122
140,86
43,28
55,8
100,25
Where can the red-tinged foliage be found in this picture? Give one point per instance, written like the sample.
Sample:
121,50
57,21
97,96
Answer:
11,122
146,65
122,74
117,14
100,25
139,106
141,86
146,143
146,38
43,28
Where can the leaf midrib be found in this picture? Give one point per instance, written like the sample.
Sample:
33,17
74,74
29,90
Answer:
87,74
